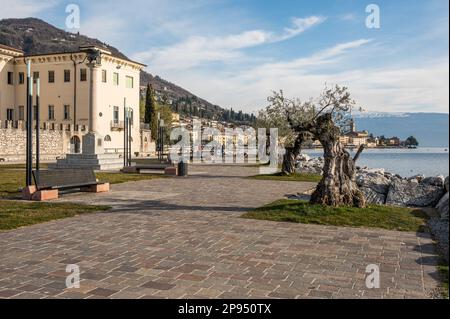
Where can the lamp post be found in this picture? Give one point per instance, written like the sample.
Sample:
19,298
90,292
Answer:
161,139
38,93
29,151
129,134
125,133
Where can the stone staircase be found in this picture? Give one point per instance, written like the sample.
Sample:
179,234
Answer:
98,162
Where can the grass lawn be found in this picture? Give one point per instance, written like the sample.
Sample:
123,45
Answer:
15,214
443,271
393,218
12,178
10,181
300,177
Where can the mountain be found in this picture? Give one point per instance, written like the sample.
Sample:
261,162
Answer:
430,129
35,36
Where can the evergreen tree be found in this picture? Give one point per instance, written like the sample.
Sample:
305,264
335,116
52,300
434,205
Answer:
411,141
151,111
150,103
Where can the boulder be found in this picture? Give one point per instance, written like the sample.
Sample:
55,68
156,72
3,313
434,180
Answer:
374,185
446,184
413,194
372,197
378,182
418,177
436,181
442,206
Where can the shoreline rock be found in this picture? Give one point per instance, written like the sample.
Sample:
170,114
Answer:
385,188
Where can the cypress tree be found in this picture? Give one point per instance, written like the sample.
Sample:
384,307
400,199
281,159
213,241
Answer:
149,104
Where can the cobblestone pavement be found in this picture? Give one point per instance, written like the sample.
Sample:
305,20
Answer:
183,238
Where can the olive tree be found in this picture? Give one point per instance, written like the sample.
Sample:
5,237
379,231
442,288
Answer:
330,118
276,115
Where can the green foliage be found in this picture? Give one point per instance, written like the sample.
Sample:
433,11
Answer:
411,141
386,217
150,104
166,115
142,110
282,110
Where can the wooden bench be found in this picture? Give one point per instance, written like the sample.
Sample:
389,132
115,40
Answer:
49,182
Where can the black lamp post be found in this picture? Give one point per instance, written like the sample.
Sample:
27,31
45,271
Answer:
29,141
126,135
38,93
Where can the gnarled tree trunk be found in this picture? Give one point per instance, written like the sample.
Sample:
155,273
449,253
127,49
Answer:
338,185
288,166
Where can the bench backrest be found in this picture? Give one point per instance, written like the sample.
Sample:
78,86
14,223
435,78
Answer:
153,166
61,178
149,161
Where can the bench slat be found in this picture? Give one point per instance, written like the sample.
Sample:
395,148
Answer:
64,178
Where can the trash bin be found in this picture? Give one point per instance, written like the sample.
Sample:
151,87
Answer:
182,169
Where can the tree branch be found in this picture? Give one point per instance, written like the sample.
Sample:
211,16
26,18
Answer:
360,150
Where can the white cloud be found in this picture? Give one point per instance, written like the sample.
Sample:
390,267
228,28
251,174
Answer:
348,17
327,56
25,8
411,87
197,50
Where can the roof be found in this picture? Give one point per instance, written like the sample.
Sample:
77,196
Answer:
81,51
5,47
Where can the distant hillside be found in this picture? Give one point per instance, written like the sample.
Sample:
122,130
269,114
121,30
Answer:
431,129
35,36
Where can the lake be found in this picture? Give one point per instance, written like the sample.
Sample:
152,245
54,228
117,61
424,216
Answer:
431,161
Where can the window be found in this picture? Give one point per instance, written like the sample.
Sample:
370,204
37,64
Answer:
35,76
10,78
116,114
9,114
83,75
107,138
67,112
129,82
104,75
116,78
51,112
21,78
66,76
51,76
21,113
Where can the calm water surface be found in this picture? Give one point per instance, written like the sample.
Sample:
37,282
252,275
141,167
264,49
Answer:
405,162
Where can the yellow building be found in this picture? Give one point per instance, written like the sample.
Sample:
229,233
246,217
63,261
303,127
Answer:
64,94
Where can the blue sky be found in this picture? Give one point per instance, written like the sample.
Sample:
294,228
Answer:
233,53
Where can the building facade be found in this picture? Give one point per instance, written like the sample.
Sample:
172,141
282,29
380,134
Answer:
65,92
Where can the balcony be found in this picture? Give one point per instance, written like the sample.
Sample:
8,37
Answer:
117,125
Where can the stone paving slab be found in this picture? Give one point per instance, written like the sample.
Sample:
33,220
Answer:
183,238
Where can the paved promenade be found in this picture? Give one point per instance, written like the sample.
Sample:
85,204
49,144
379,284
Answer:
184,238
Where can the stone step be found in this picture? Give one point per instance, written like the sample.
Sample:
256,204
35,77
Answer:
96,167
98,156
91,161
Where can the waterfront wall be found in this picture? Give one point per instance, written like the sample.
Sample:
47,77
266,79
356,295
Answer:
53,143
